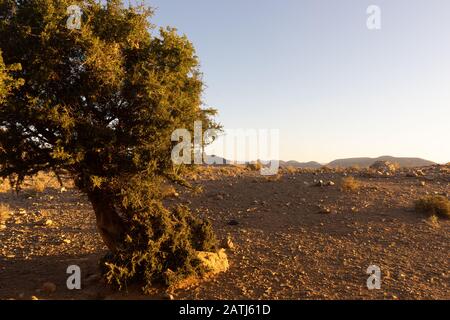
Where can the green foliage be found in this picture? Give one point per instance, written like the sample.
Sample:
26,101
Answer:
101,103
434,206
160,247
7,81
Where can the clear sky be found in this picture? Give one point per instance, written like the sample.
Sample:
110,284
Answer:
314,70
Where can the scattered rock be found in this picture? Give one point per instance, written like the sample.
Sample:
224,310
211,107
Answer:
319,183
168,296
420,172
384,167
228,243
324,210
214,262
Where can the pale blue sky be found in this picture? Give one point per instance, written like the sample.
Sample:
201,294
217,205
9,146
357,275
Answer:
313,70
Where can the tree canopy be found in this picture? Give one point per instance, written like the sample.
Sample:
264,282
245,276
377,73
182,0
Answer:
101,103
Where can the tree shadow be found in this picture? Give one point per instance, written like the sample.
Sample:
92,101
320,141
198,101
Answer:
23,279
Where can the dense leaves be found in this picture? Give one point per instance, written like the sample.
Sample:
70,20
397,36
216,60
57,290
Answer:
160,247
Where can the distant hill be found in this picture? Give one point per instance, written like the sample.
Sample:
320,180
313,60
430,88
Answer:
345,163
302,165
367,162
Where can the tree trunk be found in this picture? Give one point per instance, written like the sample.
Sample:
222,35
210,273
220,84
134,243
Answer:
109,224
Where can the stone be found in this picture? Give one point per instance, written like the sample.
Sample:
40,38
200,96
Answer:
323,210
319,183
383,167
214,262
420,172
168,296
228,243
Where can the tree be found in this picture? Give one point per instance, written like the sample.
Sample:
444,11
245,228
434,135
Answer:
100,103
7,82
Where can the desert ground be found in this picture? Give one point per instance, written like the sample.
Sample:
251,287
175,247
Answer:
297,235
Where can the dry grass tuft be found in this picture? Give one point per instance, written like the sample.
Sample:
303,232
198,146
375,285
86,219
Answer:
5,186
290,170
434,206
273,178
38,184
433,221
42,181
5,212
350,184
254,166
169,191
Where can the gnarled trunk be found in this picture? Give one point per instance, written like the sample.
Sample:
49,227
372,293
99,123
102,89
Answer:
109,224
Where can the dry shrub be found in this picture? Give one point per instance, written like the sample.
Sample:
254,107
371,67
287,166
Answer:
43,180
350,184
433,221
291,170
434,206
273,178
227,171
38,182
5,186
169,191
5,212
254,166
38,186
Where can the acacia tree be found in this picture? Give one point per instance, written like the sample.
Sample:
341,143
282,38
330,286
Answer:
100,103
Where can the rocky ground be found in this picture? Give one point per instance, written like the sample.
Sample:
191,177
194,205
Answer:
297,235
